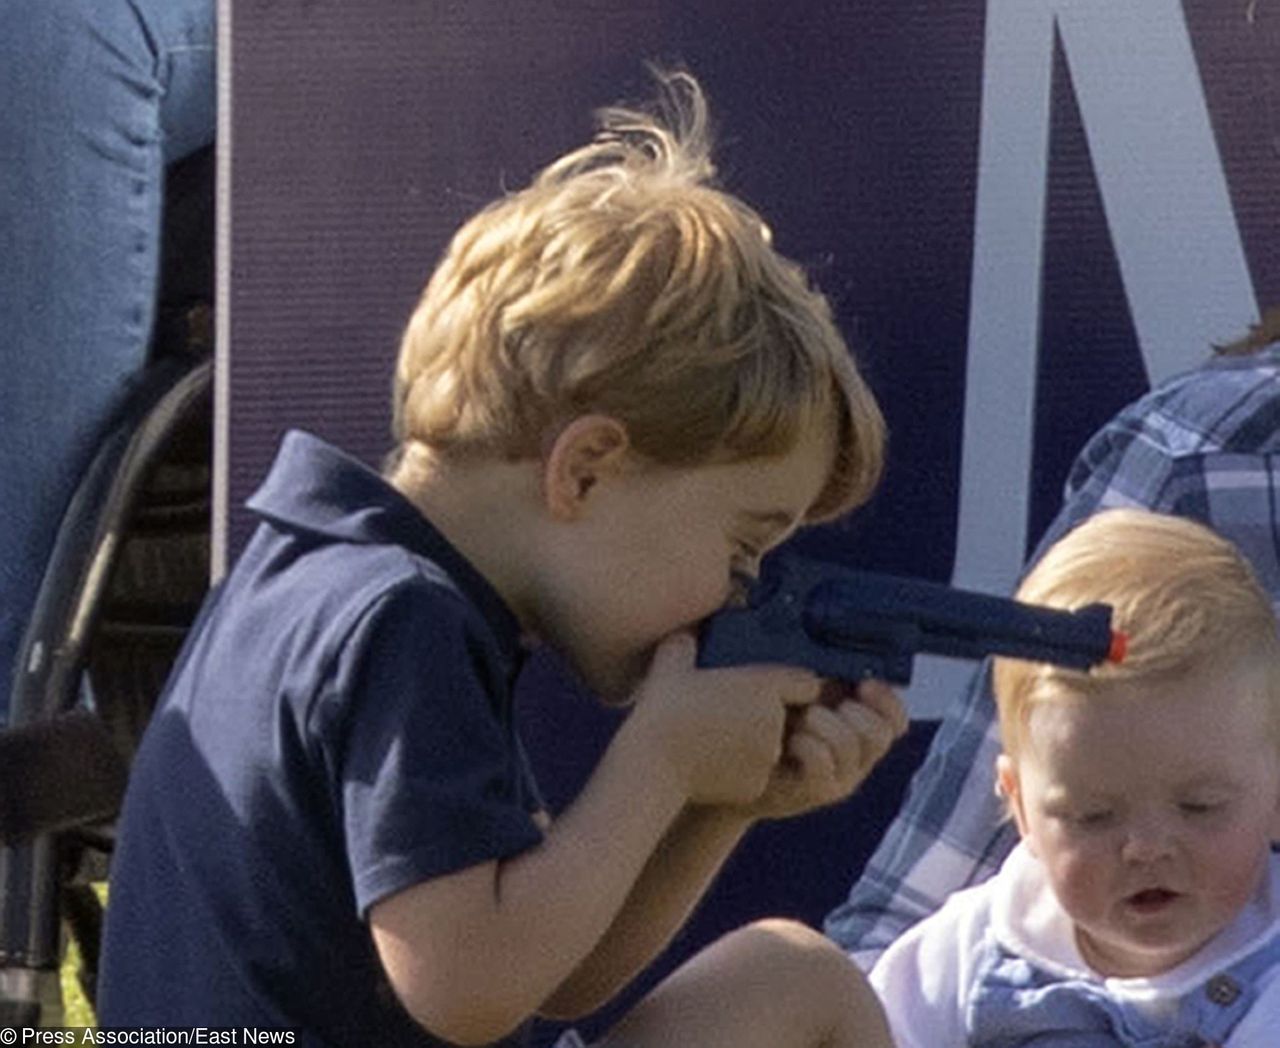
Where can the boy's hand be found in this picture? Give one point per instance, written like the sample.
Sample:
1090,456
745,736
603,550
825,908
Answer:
720,732
830,748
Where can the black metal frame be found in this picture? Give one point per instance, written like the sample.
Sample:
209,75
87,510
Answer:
63,761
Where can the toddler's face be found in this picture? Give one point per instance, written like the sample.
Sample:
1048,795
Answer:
1152,811
664,548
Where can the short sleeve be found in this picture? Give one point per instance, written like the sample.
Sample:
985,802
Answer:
432,776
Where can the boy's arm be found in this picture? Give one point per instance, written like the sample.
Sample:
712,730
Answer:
673,880
472,954
829,751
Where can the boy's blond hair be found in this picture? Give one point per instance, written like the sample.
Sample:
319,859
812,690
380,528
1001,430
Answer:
1183,596
623,282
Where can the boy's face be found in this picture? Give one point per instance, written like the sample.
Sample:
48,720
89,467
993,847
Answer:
1152,809
657,550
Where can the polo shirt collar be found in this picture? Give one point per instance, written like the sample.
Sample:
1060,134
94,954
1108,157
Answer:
316,488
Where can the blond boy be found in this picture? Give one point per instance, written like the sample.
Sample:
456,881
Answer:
1143,905
612,400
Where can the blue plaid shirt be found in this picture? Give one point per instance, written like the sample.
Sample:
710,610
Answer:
1204,445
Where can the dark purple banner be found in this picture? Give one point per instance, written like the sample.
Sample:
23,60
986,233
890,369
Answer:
1024,212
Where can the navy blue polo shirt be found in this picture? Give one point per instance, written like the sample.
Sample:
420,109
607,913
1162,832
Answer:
339,727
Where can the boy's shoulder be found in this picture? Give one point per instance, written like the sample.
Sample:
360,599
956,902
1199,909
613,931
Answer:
341,560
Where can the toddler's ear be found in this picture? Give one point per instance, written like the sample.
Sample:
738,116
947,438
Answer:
588,449
1009,787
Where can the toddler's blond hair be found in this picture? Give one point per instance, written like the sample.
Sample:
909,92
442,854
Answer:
1183,596
623,282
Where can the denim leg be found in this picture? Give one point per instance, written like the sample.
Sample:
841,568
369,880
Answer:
98,96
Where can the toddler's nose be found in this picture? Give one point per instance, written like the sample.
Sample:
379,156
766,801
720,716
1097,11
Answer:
1147,840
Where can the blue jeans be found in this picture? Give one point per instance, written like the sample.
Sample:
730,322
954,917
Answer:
98,97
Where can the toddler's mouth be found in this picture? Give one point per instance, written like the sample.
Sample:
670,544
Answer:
1151,899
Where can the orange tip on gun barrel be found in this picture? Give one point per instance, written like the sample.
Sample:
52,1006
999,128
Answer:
1119,646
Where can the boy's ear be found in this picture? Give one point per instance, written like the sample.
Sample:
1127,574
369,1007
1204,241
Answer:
588,449
1010,788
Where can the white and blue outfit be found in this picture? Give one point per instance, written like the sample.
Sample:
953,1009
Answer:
1204,445
99,96
998,967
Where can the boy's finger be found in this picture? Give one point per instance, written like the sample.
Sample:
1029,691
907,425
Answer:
817,760
877,695
790,684
876,732
800,687
849,740
823,722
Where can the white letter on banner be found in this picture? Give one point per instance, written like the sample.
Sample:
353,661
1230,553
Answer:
1172,227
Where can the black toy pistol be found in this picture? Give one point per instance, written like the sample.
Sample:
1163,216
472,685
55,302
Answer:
851,625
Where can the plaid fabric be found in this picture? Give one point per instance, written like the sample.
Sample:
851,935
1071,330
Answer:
1204,445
